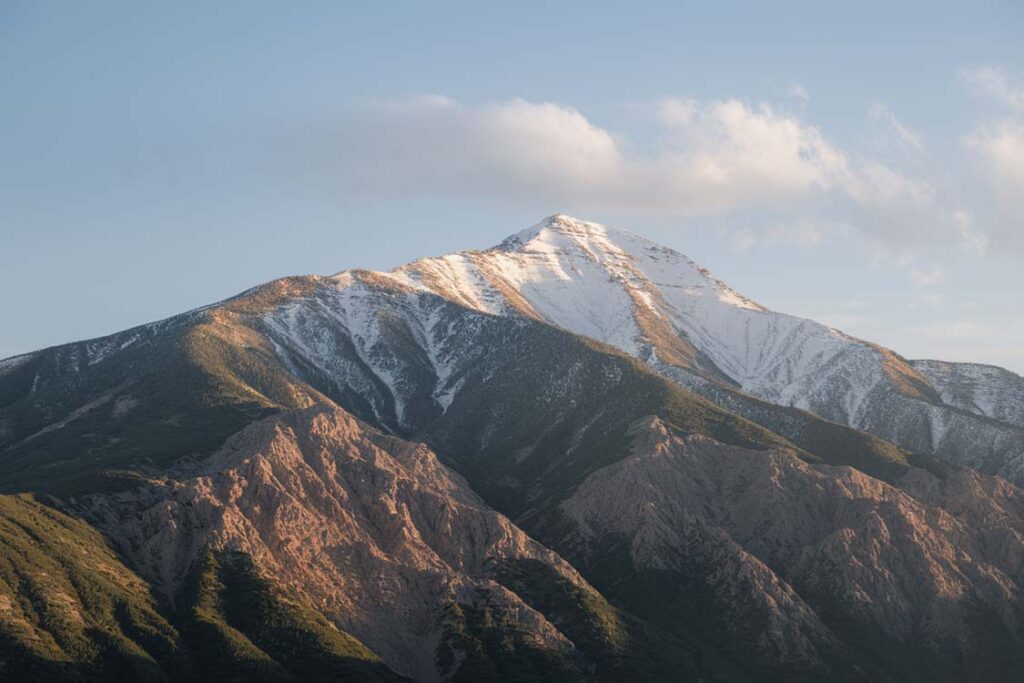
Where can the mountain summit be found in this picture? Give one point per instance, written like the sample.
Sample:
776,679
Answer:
658,305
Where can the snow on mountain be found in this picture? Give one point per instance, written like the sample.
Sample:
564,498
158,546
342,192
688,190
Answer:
983,389
654,303
574,285
620,289
9,364
342,334
645,299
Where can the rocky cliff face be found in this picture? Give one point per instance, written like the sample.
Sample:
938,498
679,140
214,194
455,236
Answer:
374,531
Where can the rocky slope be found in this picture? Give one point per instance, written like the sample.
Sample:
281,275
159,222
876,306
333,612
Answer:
374,531
827,550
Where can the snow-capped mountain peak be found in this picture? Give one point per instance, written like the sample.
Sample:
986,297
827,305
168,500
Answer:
564,229
656,304
605,283
622,253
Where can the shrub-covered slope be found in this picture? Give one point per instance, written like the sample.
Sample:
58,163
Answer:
70,610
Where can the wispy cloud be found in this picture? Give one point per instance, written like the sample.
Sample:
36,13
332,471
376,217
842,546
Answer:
797,231
907,137
798,93
845,314
993,82
1002,146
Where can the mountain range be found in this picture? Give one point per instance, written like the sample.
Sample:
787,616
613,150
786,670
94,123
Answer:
576,455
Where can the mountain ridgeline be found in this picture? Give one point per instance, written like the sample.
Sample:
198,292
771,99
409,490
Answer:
574,456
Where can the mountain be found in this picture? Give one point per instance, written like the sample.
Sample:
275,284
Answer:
517,464
659,306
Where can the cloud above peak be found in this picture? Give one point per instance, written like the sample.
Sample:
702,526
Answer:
708,158
728,154
432,144
712,156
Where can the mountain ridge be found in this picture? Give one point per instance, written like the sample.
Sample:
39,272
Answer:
431,463
660,306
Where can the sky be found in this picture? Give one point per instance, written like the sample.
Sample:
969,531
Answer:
858,163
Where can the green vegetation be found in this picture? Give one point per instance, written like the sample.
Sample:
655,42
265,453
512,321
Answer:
69,427
617,646
244,628
683,605
578,611
539,410
824,441
485,644
69,609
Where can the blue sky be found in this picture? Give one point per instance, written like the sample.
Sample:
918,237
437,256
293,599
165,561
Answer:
863,165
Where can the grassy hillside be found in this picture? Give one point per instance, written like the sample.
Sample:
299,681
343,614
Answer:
74,420
617,646
69,609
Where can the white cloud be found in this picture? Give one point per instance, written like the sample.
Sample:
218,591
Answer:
999,145
925,274
1002,147
727,154
676,113
434,145
713,156
972,238
993,82
727,162
743,239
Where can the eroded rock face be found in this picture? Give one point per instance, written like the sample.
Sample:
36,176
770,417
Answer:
796,544
378,534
